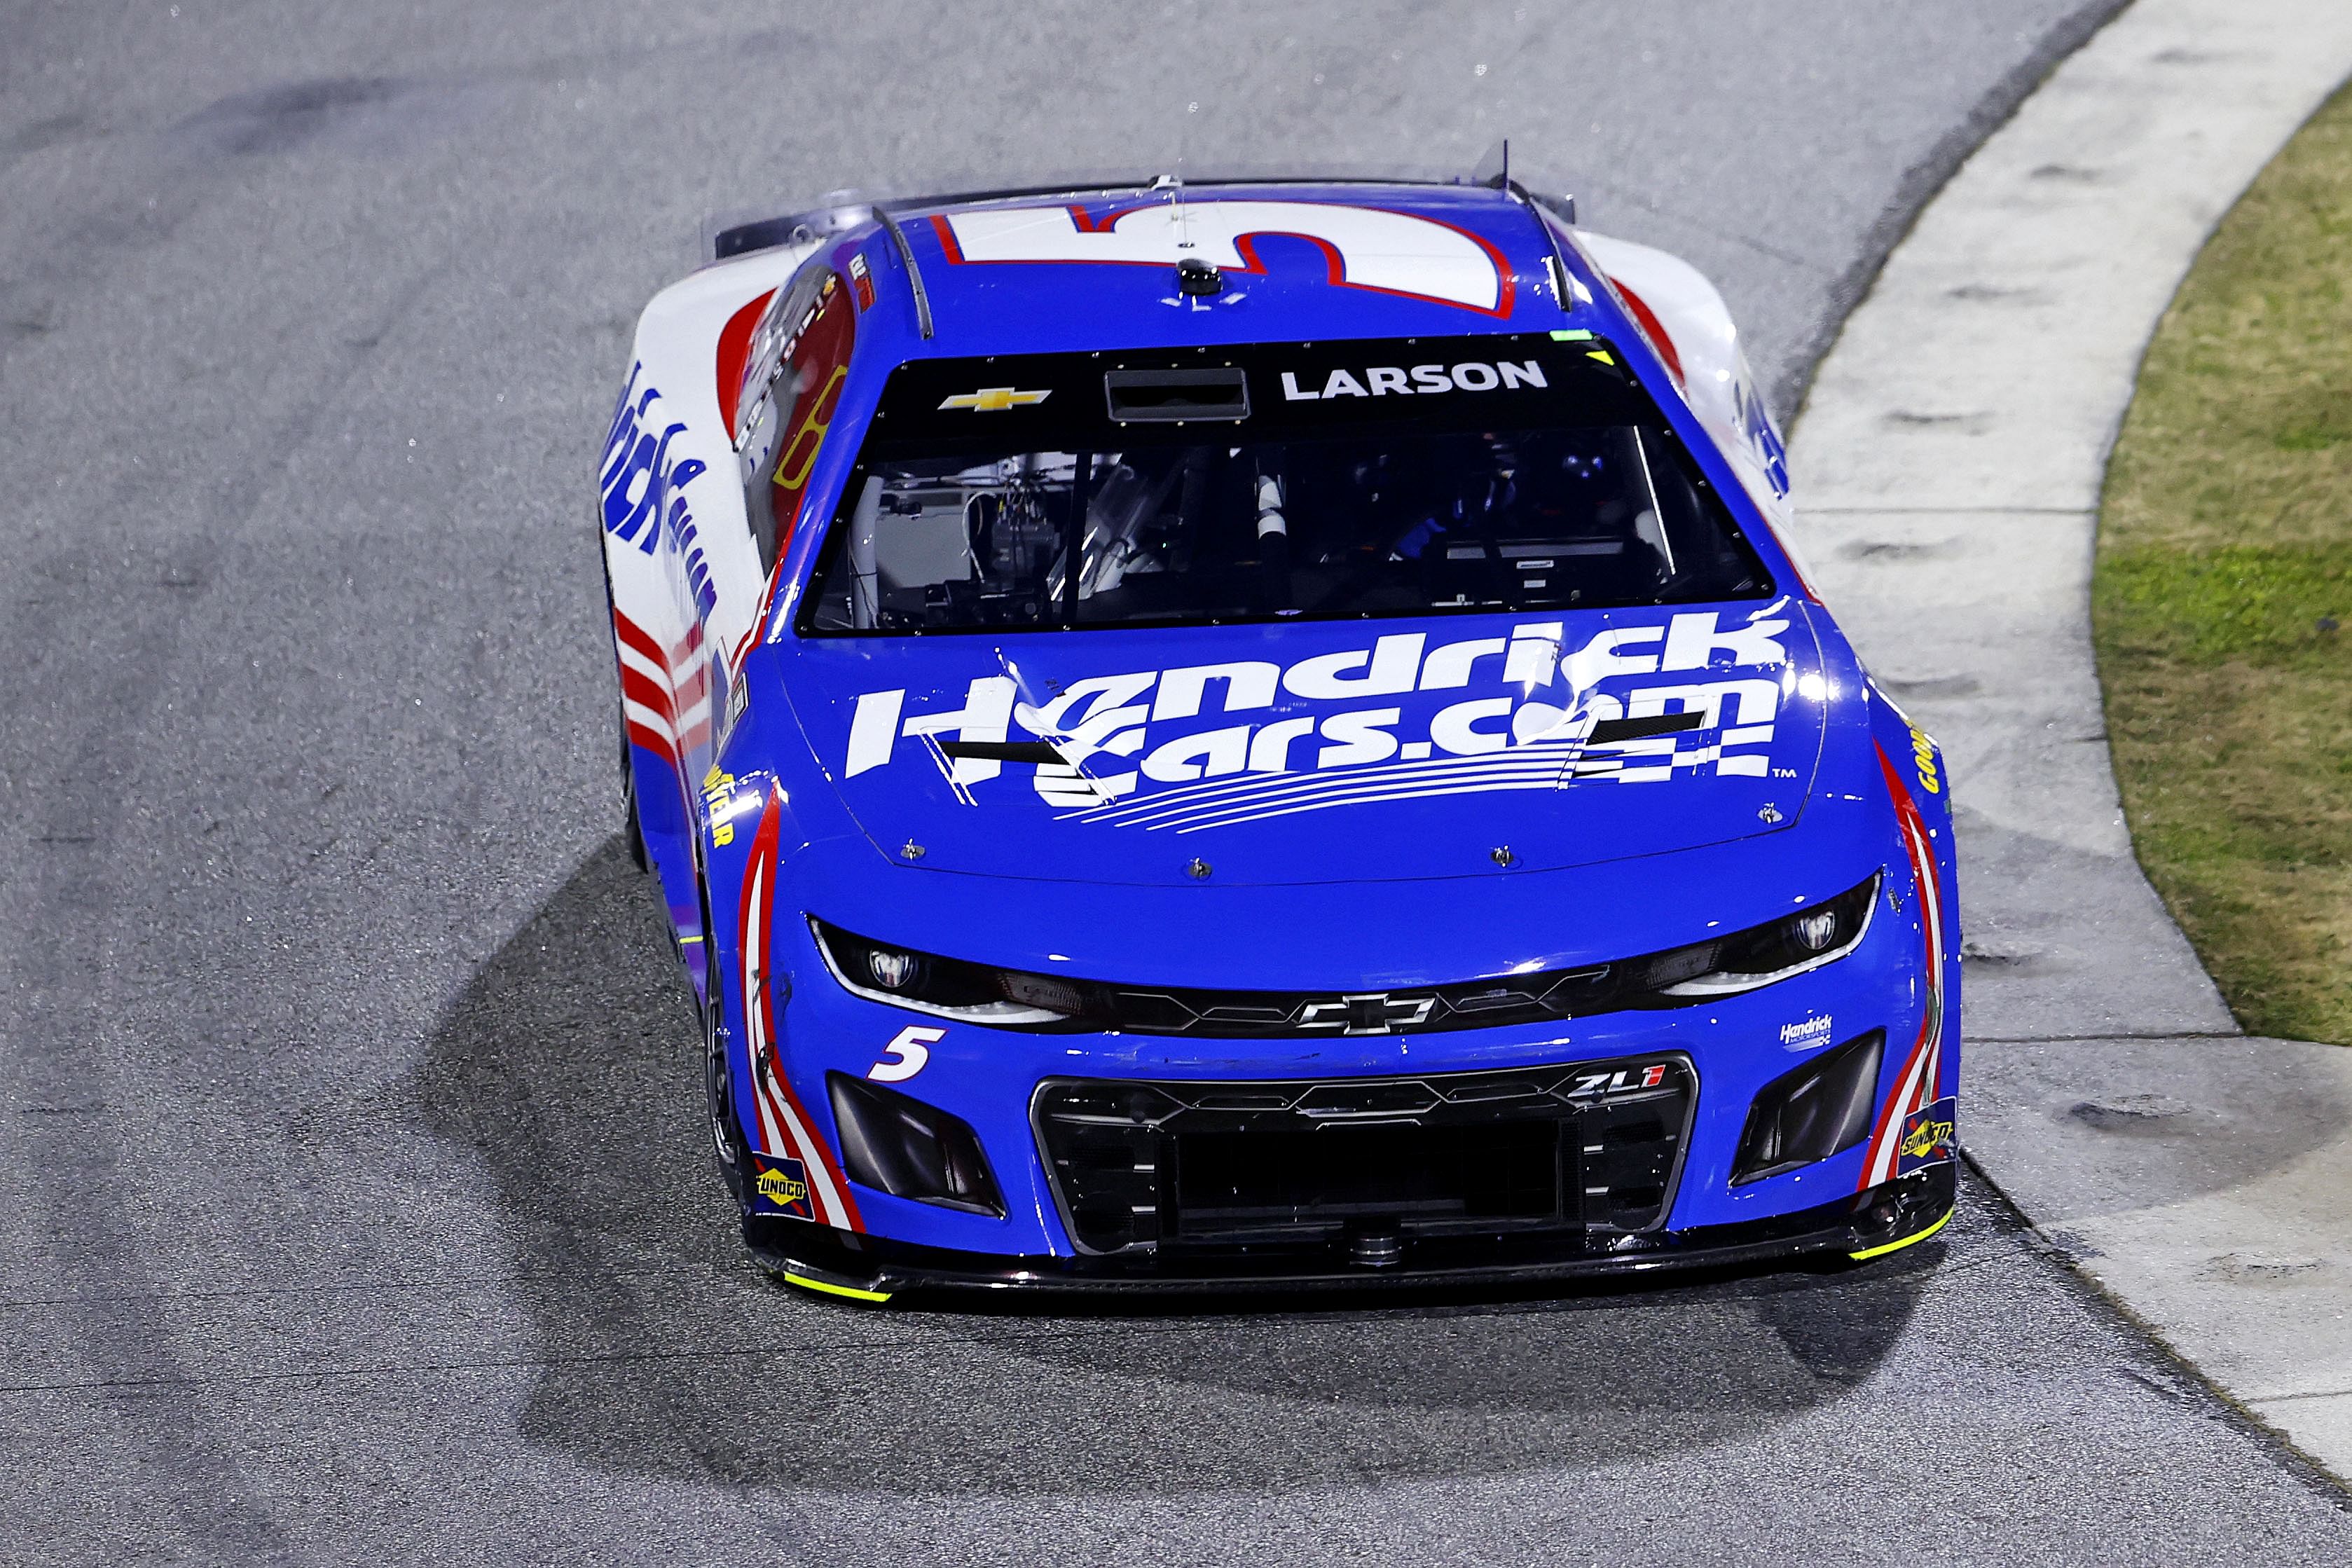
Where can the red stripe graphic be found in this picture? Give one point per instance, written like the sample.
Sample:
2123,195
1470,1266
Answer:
653,740
639,687
947,240
786,1125
677,718
687,692
1652,328
1916,1086
649,711
637,638
734,350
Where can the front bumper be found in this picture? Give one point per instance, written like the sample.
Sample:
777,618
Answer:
990,1079
1863,1226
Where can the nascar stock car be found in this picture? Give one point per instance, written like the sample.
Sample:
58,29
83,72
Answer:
1262,733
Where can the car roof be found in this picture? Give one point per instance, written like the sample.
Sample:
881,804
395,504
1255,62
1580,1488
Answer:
1087,270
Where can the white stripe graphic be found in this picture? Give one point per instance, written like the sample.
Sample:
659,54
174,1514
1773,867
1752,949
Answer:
1292,788
829,1206
1534,766
651,717
755,1032
1545,758
645,666
1890,1141
1362,786
790,1136
1918,1089
1332,802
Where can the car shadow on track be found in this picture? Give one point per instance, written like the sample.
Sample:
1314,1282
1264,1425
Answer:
567,1066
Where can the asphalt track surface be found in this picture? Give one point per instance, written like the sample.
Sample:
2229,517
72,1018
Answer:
353,1204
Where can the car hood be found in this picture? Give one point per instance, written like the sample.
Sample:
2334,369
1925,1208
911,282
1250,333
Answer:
1309,752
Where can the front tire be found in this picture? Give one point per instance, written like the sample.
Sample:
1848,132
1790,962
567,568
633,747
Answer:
631,827
718,1076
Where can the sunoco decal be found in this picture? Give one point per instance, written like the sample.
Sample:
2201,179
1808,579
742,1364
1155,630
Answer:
1927,1138
782,1187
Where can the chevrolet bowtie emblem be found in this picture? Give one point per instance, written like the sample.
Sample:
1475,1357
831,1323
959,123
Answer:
992,399
1375,1014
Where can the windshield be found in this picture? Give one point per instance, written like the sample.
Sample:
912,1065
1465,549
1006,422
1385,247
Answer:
1372,477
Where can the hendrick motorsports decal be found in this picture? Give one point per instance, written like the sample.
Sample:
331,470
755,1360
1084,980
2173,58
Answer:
1813,1031
1146,748
642,486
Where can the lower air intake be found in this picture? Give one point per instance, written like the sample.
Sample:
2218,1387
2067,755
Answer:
1169,1166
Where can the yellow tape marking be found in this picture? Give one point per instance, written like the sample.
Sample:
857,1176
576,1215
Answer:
1867,1253
830,1289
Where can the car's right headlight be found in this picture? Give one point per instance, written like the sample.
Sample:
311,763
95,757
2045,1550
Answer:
947,987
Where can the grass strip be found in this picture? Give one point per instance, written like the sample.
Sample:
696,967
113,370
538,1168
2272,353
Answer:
2222,589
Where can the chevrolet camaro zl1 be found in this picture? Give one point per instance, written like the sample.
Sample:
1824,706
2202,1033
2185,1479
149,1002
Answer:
1262,734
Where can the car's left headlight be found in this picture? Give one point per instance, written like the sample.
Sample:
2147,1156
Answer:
1818,934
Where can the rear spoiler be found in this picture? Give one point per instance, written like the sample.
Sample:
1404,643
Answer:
729,235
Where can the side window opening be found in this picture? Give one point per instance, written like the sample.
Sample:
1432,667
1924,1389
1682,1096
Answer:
793,380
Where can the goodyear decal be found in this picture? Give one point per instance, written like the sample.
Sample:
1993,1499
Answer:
717,789
1923,760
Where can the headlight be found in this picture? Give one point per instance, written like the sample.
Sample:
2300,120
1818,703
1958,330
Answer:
948,988
1761,954
1680,977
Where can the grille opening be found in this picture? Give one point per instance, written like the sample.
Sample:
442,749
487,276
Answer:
1581,1149
1628,1131
1629,1206
1232,1187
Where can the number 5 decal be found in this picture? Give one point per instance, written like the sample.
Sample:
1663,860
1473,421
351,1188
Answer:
905,1056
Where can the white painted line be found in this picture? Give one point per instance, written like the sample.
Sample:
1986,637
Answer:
1949,465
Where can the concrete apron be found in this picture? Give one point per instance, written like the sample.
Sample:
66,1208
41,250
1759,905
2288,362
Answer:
1948,465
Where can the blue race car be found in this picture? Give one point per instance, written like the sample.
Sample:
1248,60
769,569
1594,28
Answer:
1264,734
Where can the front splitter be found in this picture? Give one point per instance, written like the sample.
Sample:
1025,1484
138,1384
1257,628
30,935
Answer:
1867,1224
